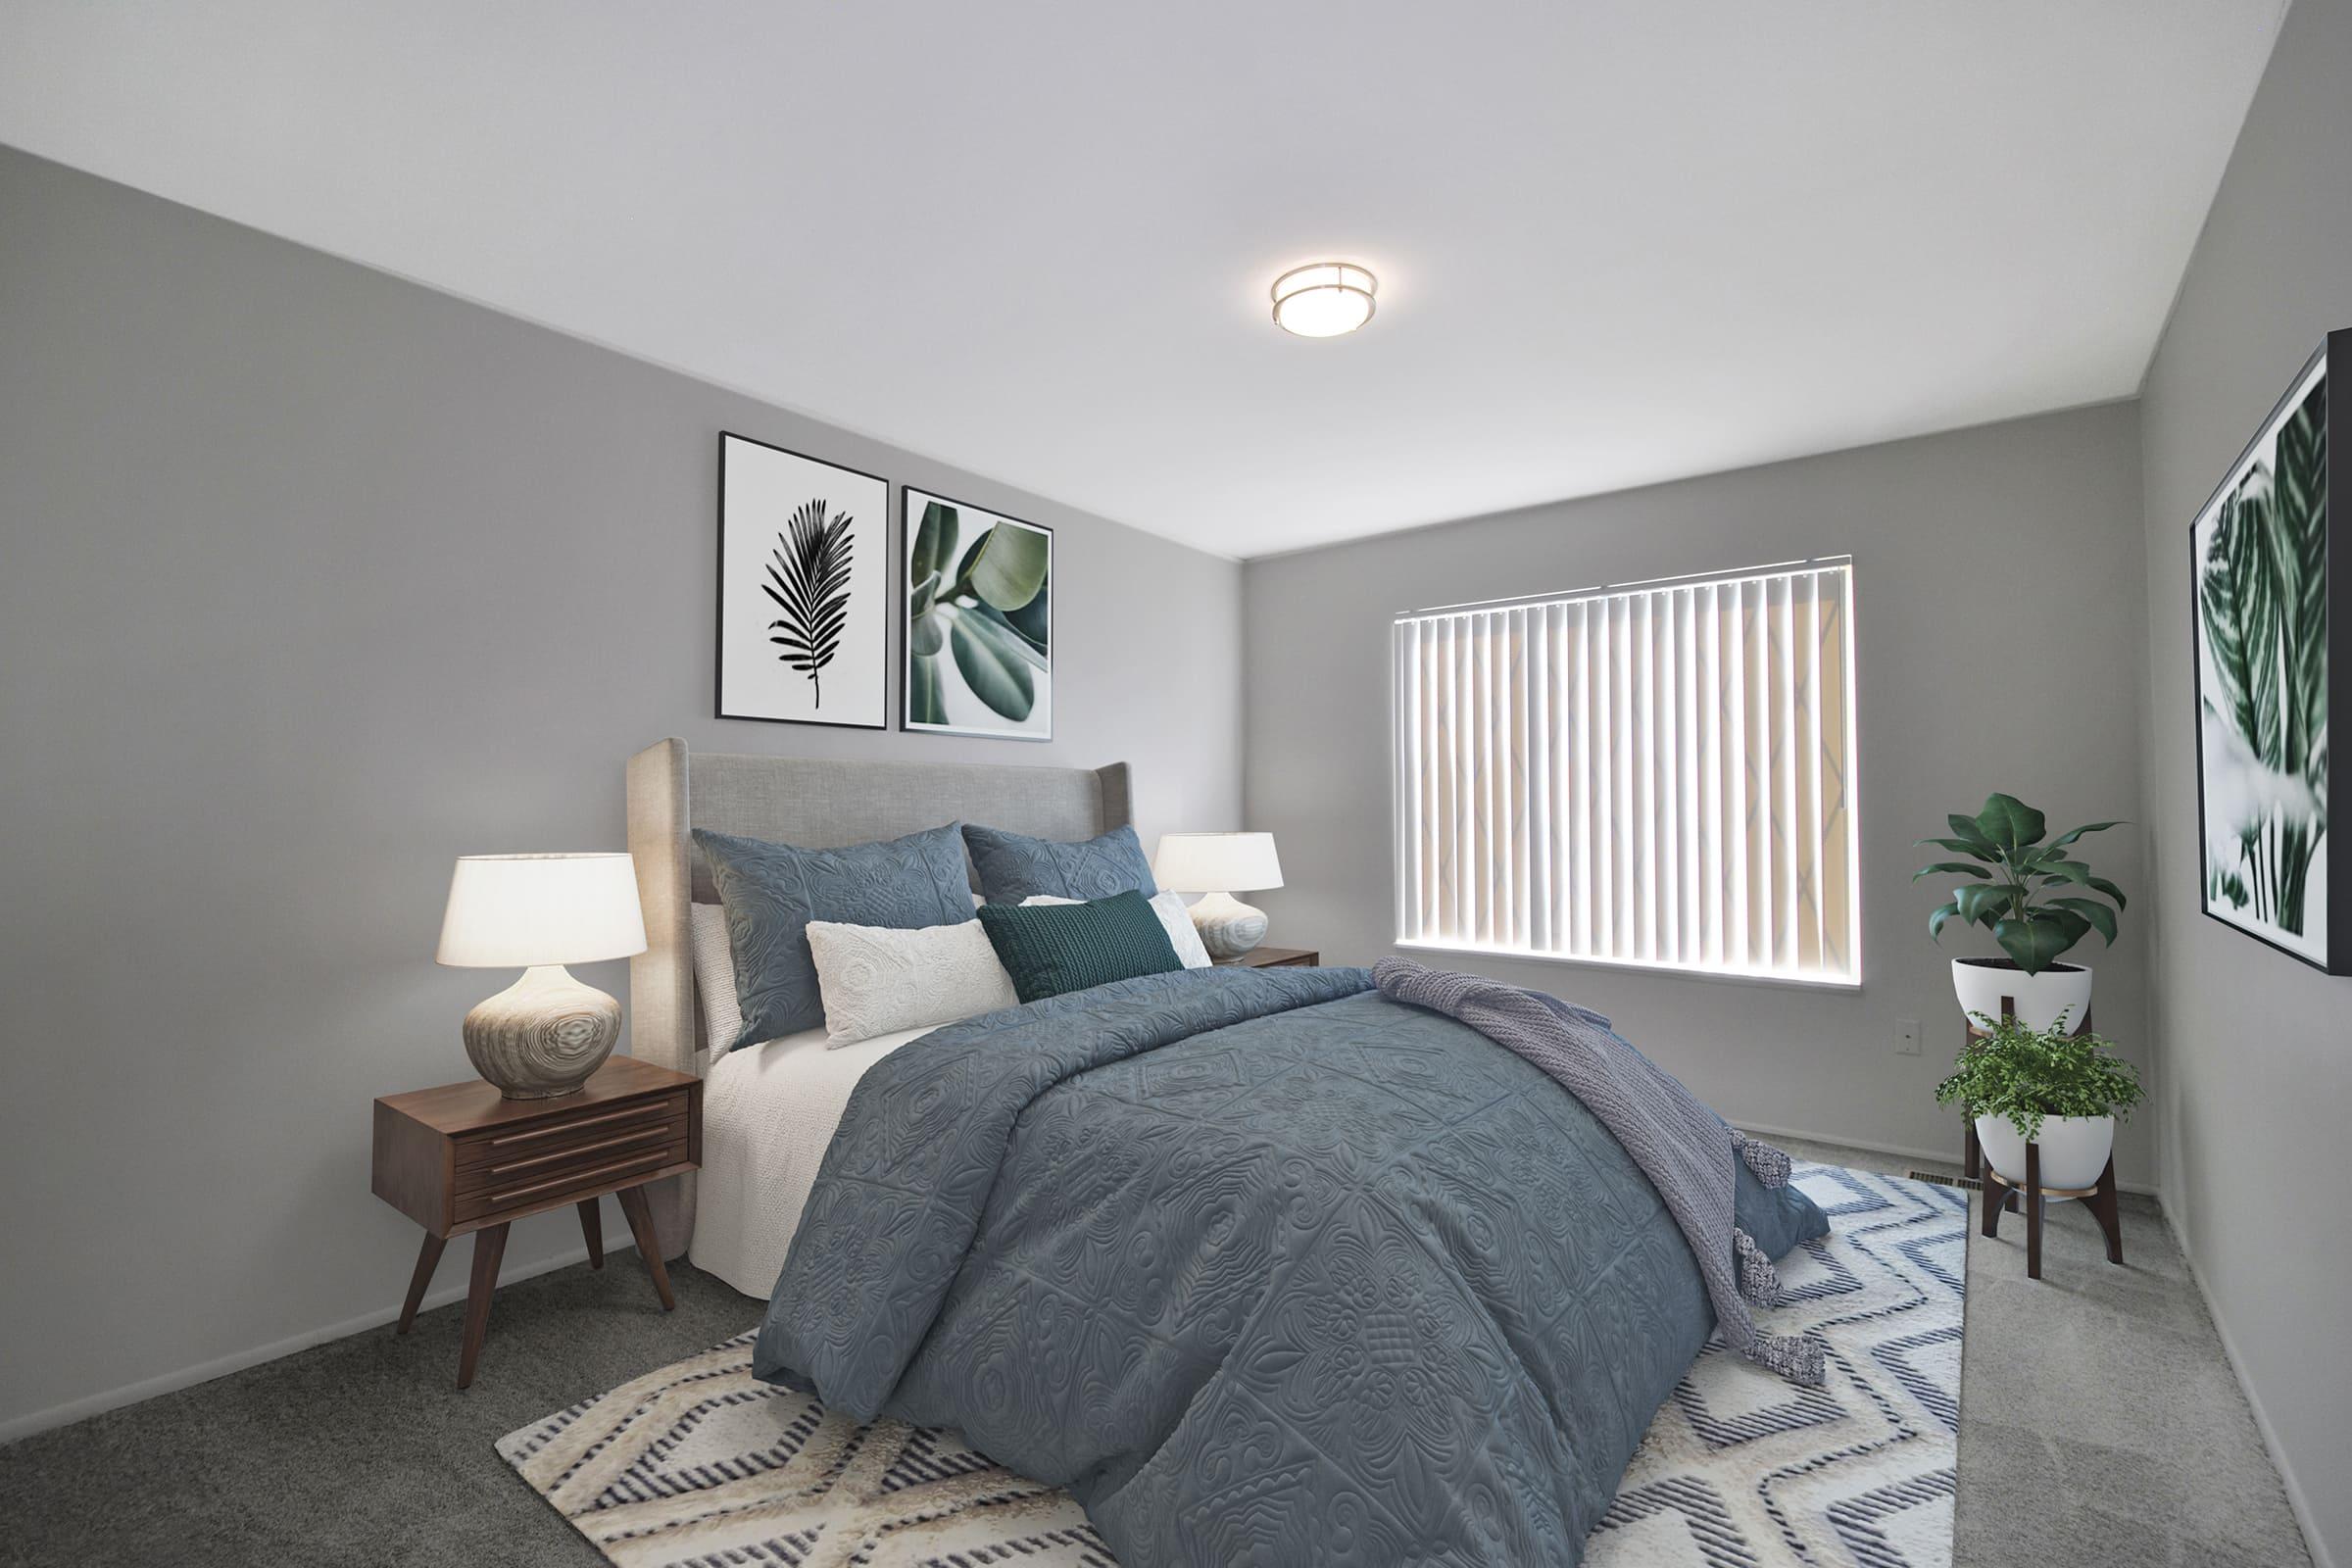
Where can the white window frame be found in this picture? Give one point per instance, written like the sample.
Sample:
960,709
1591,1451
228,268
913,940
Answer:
1552,885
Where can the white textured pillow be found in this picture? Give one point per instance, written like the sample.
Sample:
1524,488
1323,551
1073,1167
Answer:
714,976
877,981
1174,917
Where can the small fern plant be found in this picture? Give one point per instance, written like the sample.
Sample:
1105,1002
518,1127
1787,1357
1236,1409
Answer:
2023,1074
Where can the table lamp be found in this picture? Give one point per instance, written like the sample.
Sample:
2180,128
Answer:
545,1034
1221,865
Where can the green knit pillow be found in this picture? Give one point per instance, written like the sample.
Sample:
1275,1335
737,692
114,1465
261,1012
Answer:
1052,947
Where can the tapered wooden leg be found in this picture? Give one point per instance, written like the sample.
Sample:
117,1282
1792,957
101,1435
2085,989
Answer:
2035,1203
1971,1158
648,1245
2109,1212
1996,1199
429,1258
592,1226
489,1245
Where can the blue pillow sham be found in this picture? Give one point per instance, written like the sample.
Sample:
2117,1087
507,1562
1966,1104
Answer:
1014,866
1775,1218
770,892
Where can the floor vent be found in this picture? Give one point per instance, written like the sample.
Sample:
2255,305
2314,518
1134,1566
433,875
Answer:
1969,1183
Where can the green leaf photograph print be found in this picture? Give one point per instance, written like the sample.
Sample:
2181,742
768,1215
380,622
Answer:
2259,583
979,645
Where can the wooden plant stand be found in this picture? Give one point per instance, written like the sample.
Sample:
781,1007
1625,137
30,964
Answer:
2003,1192
2000,1191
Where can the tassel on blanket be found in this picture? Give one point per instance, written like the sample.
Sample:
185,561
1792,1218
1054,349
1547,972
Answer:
1798,1357
1759,1281
1769,1165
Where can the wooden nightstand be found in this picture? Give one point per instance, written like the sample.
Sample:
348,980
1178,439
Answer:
1273,959
460,1158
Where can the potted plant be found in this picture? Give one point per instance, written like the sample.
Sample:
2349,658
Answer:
2025,1084
2030,895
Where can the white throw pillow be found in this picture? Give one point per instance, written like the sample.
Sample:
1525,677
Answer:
1174,917
877,981
714,976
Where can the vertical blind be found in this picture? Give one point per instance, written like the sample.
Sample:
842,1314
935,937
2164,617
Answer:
1660,775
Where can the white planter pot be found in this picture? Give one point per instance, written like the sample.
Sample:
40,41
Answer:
2074,1148
1981,983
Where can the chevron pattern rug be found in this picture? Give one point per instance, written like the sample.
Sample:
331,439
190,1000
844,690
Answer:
700,1464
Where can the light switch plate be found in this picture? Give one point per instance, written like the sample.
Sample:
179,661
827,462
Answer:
1906,1037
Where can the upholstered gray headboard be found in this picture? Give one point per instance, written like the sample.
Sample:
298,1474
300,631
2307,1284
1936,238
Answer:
821,805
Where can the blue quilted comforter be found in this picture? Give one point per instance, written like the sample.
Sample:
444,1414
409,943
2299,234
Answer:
1265,1267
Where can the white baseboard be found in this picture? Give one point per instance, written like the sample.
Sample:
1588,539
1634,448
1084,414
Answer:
1941,1157
58,1415
2297,1502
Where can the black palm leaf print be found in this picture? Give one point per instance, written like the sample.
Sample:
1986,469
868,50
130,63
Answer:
809,578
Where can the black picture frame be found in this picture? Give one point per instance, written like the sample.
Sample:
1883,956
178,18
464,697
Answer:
2332,860
890,557
902,631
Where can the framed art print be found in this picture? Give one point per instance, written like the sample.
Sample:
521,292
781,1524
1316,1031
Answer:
804,588
979,595
2264,592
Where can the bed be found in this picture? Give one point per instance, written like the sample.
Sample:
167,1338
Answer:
769,1111
1261,1264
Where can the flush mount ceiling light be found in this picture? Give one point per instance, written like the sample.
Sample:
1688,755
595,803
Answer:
1324,299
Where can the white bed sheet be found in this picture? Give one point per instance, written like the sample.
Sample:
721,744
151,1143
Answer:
768,1111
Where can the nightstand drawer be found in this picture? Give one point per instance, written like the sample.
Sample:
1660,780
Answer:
579,1174
586,1150
1273,959
590,1124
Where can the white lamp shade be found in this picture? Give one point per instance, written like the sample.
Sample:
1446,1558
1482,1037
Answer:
1216,863
517,911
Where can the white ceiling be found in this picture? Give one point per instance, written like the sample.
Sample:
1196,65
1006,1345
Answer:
1618,240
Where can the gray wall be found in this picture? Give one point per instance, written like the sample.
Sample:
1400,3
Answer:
2257,1086
310,580
1998,590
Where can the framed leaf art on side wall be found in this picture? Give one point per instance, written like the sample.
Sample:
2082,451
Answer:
2264,591
803,589
979,650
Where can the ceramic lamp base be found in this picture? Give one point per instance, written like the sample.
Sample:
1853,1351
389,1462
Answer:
1227,927
542,1036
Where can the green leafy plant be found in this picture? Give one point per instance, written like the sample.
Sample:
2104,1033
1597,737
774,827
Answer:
989,614
2023,1074
2261,600
809,578
2016,893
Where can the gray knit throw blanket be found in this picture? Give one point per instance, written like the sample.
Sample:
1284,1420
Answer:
1686,1149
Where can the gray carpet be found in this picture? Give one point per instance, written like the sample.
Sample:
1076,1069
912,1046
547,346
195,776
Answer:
362,1451
2099,1425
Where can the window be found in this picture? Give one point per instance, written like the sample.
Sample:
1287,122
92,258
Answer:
1660,775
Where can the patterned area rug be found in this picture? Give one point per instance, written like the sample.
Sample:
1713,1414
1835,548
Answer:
700,1464
1746,1471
